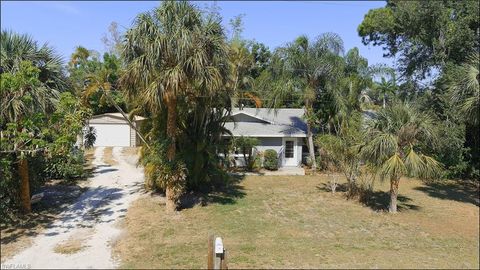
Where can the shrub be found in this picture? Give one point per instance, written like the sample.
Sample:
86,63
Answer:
247,146
258,161
270,160
69,166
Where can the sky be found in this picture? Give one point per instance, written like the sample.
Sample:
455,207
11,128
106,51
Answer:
67,24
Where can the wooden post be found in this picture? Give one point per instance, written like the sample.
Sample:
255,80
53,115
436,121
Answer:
216,253
210,252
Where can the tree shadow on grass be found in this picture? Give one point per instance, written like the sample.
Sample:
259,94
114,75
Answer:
327,188
380,200
376,200
226,194
456,190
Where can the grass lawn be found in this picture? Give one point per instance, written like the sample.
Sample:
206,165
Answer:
292,222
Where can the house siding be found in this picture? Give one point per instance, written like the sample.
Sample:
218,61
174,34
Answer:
276,144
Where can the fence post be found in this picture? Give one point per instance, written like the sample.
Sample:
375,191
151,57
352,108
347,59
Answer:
210,252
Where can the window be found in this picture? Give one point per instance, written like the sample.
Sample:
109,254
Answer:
288,149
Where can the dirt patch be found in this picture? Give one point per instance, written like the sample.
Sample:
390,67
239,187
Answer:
74,243
130,151
108,156
58,195
106,201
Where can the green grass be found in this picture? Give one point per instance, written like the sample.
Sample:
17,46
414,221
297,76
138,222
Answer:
292,222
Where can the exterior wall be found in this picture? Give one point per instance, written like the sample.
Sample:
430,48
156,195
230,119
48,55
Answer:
275,143
112,134
104,120
299,151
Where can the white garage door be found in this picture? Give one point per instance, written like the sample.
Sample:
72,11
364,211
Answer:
112,134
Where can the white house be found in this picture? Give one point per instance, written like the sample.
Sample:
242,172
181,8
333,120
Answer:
113,130
282,130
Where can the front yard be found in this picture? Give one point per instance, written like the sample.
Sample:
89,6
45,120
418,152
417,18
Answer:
292,222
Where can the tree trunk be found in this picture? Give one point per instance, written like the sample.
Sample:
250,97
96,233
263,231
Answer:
80,139
393,194
311,149
24,185
171,101
384,101
171,204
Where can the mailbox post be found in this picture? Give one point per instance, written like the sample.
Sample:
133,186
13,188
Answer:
216,254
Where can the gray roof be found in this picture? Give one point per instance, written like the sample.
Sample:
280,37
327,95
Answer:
109,118
264,122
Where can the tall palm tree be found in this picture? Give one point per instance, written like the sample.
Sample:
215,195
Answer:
396,135
39,74
173,53
310,65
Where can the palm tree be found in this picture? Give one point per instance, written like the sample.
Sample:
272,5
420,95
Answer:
396,135
464,89
310,65
385,88
388,82
16,48
241,61
173,53
39,73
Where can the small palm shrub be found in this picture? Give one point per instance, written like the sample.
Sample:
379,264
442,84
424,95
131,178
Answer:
270,160
258,161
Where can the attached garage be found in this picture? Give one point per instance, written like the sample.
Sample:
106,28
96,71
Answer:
113,130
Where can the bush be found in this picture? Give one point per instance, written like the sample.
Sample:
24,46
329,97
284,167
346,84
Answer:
247,146
69,166
258,161
270,160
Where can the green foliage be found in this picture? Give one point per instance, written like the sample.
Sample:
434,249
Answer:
161,173
270,160
69,166
342,151
464,89
17,48
247,146
38,121
89,75
425,34
396,135
183,78
9,199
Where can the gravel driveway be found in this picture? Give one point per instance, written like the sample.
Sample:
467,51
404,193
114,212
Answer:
83,234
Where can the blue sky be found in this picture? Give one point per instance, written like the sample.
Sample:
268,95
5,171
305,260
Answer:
65,25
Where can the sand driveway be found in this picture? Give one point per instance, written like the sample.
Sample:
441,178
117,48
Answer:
83,234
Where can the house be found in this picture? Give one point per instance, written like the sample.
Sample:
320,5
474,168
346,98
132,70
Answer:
282,130
113,130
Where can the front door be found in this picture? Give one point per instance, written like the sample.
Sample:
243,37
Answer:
289,151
